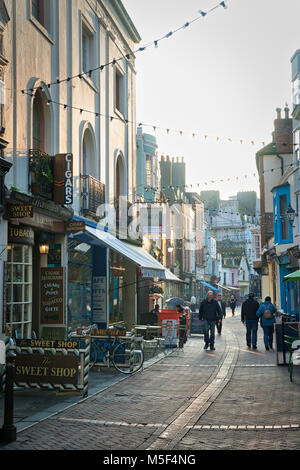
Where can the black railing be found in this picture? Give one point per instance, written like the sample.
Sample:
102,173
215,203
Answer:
92,194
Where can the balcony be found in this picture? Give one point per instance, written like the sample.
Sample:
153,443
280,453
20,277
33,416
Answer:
41,174
92,194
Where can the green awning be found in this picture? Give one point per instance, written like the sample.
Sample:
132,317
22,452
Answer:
295,276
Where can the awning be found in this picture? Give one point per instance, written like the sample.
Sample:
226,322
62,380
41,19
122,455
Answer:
209,286
293,277
149,266
169,276
222,287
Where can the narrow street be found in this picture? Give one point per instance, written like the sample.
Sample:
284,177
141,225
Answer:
231,398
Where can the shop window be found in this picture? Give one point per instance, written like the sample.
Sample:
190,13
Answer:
80,282
19,290
116,291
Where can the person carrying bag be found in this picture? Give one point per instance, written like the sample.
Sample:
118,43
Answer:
266,313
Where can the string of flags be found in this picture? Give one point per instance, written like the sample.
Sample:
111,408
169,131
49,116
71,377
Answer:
155,43
155,128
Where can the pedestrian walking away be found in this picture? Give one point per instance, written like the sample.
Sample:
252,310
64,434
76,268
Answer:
250,319
222,306
232,304
193,303
266,313
210,312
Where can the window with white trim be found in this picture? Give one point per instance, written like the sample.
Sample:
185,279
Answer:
19,290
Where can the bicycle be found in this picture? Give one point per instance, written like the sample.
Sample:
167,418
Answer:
126,356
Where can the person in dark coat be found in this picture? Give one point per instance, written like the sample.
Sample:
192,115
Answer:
222,306
210,312
248,316
232,304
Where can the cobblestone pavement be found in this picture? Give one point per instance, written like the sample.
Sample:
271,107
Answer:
231,398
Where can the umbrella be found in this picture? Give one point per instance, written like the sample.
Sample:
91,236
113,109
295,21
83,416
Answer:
176,300
295,276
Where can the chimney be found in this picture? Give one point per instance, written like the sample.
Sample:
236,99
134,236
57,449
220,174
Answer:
162,158
283,132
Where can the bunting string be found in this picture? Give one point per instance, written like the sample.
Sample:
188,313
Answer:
200,134
155,43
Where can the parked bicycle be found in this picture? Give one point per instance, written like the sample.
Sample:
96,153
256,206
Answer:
126,355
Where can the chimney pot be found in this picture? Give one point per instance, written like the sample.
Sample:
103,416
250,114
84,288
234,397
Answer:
278,111
168,158
287,111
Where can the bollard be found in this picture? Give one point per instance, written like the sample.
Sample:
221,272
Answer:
9,432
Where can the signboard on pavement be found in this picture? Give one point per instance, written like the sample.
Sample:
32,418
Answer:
46,368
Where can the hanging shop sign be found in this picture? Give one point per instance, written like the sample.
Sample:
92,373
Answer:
46,368
19,211
75,226
99,299
48,208
52,296
20,234
63,179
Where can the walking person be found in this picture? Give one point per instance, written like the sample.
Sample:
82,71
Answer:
232,304
193,303
210,312
248,316
267,312
222,306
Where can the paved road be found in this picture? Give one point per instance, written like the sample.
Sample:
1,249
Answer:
231,398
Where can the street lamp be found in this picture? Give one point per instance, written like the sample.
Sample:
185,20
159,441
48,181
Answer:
291,214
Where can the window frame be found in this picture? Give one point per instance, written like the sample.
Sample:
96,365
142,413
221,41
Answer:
87,30
121,109
47,33
278,217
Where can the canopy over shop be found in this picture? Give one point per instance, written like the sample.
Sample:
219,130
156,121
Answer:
106,278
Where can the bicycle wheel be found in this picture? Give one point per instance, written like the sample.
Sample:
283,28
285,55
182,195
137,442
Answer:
127,358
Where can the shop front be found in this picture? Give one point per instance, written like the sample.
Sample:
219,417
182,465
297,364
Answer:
105,279
34,281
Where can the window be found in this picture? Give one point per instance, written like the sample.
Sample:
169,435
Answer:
38,123
283,232
232,278
19,290
41,12
88,55
283,217
119,92
225,279
148,180
296,147
80,281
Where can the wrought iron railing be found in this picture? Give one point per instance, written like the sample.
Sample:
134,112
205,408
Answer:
92,194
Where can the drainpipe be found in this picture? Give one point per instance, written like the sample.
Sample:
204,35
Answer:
282,164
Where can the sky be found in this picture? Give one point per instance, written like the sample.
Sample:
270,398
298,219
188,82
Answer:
223,76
